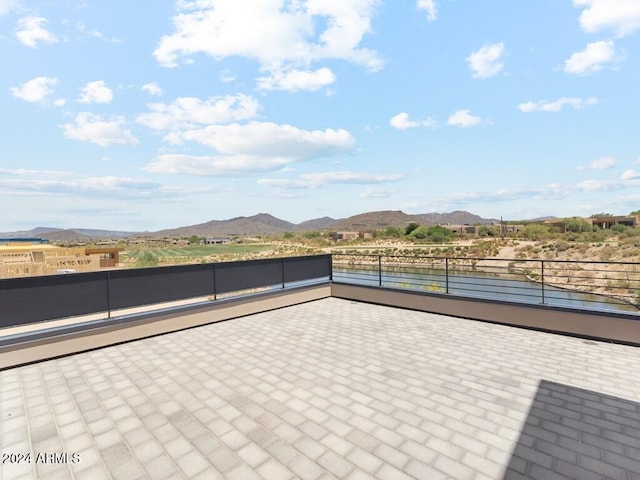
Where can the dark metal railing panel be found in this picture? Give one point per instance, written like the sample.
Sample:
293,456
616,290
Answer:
247,275
36,299
306,268
146,286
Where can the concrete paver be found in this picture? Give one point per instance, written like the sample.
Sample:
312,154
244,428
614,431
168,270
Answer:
329,389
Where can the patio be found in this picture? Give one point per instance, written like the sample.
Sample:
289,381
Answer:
330,389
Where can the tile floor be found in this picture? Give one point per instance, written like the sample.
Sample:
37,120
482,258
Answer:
327,389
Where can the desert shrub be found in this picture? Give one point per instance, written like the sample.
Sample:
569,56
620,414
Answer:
147,259
577,225
536,232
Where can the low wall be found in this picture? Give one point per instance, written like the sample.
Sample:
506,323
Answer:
617,327
49,343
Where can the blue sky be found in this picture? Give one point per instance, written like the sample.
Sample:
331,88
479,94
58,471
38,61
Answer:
150,115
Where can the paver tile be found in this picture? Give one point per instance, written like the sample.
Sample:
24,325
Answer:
305,468
272,469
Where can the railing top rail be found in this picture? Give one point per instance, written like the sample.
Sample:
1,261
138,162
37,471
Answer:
443,257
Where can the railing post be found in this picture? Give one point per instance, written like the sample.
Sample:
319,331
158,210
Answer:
282,266
108,294
213,276
379,270
330,267
446,273
542,279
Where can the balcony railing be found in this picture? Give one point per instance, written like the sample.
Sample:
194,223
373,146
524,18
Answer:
107,293
606,286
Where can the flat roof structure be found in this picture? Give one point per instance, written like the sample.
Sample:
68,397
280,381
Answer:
329,389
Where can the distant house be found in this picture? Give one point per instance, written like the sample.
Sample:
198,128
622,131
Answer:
216,240
460,229
346,236
109,256
608,221
507,227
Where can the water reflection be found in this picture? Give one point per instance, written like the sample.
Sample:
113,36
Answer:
505,286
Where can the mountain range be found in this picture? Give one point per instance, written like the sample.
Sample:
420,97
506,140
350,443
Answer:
262,224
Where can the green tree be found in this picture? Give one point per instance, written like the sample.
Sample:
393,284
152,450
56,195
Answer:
601,214
419,232
194,240
439,234
410,228
577,225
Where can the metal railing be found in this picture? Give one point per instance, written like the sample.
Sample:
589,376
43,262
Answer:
105,293
607,286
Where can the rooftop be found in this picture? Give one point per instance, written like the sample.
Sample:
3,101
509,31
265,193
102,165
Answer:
330,389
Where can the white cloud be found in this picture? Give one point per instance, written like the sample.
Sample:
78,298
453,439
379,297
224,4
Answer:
621,16
463,118
250,148
152,89
604,163
82,28
96,92
212,165
487,61
294,80
593,58
376,193
281,36
557,105
598,186
430,7
190,112
315,180
401,122
552,191
227,76
30,31
64,183
7,6
93,128
630,174
270,139
36,90
32,172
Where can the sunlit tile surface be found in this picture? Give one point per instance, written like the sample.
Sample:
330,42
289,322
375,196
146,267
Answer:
328,389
